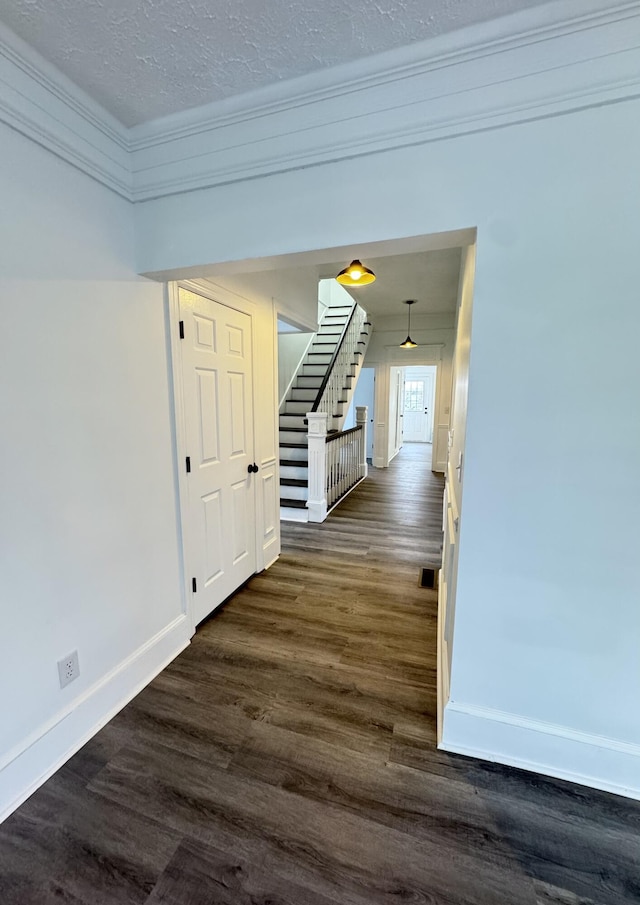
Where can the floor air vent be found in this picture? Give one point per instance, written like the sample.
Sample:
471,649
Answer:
428,579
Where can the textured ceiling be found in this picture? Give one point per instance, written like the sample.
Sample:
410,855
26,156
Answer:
429,277
142,59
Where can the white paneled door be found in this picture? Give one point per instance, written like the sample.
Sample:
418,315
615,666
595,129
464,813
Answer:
218,405
418,408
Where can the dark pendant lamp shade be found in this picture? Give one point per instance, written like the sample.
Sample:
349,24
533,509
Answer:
356,274
409,343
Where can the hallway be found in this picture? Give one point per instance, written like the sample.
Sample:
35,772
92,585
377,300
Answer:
288,756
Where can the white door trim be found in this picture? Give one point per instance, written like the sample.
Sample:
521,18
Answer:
179,439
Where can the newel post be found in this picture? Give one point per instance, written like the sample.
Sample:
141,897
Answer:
362,417
317,437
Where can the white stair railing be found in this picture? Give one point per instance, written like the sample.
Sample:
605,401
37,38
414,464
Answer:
337,462
344,367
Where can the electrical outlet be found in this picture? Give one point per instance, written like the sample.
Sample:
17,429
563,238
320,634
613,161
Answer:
68,668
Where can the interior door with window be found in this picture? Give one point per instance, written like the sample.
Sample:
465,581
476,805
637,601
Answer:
218,409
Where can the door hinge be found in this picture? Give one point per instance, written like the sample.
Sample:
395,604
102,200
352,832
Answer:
181,328
188,463
194,585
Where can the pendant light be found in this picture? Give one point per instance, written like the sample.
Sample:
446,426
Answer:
356,274
409,343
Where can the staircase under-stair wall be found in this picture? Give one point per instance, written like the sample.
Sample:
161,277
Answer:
313,389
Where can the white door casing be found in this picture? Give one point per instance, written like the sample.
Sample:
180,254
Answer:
394,412
220,507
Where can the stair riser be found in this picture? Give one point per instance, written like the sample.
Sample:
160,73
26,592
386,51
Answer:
321,345
308,381
318,359
286,436
302,395
312,371
292,420
297,408
298,472
294,453
294,493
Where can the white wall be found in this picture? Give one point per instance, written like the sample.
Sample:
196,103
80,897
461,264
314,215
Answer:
332,294
291,349
88,547
294,291
540,639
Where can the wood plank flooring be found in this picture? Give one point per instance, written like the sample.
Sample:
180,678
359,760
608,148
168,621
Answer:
288,756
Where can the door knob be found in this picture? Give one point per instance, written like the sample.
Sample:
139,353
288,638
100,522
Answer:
252,469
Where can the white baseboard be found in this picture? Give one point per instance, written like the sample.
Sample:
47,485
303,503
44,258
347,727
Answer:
30,764
589,760
289,514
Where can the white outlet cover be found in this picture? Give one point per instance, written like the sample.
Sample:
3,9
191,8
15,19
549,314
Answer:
68,668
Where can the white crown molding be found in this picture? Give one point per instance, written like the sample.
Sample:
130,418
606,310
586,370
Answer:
549,60
584,758
40,103
487,38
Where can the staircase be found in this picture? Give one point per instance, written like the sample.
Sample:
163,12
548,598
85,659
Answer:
308,393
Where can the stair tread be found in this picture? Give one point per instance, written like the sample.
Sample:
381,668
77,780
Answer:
294,482
294,446
294,463
293,504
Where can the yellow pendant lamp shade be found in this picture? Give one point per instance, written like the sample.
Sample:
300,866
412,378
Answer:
356,274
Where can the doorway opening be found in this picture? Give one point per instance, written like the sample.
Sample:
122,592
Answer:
426,385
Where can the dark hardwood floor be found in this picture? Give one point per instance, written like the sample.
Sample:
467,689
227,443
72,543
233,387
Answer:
288,756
